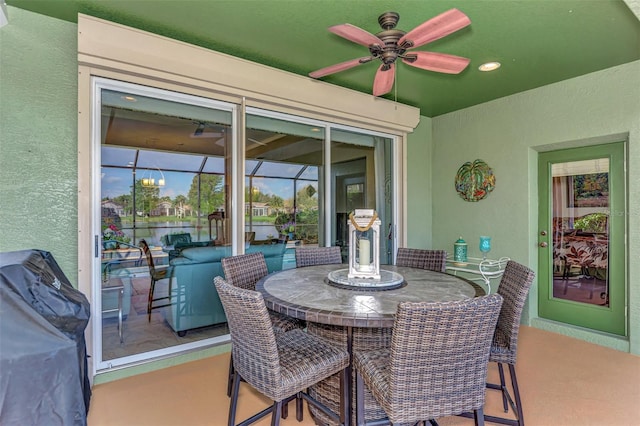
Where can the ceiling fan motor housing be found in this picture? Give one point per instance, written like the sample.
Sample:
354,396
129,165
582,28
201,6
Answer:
390,36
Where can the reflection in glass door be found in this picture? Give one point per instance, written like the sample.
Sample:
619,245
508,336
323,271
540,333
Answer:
283,161
361,176
580,231
163,173
581,239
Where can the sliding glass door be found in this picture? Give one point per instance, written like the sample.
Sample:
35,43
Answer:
167,172
163,173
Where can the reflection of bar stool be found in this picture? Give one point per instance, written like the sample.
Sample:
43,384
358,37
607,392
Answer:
156,275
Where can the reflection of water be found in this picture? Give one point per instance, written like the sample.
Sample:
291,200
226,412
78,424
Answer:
263,231
153,232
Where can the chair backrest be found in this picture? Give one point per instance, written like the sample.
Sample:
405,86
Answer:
514,288
147,253
433,260
309,256
439,357
253,342
245,270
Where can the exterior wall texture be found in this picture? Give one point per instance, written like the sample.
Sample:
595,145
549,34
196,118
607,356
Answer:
38,137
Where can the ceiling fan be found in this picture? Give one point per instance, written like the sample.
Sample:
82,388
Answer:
391,44
200,132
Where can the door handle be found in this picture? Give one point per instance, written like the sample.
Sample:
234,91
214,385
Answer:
543,244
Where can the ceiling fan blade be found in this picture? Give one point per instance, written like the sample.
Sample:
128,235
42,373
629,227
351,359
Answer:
339,67
355,34
195,135
439,62
383,81
435,28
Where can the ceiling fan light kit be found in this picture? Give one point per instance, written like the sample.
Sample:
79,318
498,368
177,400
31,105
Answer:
391,43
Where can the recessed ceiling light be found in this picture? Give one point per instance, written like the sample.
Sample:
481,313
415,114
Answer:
315,129
489,66
129,98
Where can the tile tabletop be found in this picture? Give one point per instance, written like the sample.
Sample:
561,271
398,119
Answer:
307,294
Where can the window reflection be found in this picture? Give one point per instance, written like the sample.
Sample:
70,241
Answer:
166,178
282,184
163,173
581,231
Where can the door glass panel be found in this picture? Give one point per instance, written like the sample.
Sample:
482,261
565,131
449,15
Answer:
580,231
282,203
164,173
361,171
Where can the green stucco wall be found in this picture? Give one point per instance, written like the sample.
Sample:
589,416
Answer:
506,133
419,186
38,137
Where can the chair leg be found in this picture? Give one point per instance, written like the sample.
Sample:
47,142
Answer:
299,407
516,394
231,373
277,412
360,420
234,399
150,302
344,397
478,416
503,387
516,405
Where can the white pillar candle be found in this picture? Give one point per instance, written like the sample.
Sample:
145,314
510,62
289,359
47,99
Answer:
365,257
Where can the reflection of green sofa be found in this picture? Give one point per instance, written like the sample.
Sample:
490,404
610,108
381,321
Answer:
195,302
181,241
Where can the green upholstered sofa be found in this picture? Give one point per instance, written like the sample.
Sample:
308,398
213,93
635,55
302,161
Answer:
180,241
195,302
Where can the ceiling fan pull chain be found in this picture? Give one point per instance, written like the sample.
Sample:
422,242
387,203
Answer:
395,88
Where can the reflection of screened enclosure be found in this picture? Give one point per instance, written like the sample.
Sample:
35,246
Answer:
187,197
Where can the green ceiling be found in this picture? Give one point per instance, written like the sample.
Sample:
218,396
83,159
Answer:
538,42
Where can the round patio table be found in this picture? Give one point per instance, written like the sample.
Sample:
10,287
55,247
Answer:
356,318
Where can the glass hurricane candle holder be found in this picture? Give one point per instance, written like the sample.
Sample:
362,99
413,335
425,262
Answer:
485,246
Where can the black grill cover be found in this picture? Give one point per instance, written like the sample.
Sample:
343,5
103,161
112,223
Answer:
43,356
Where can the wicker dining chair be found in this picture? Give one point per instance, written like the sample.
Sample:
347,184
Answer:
281,366
309,256
433,260
244,271
156,275
514,288
436,365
